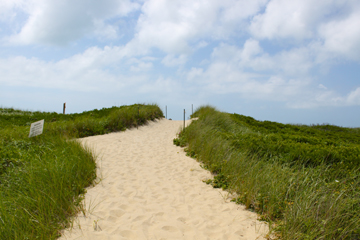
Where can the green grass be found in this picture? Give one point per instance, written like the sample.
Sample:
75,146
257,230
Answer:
43,179
303,180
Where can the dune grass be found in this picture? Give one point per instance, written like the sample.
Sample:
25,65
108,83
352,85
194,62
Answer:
43,188
303,180
43,179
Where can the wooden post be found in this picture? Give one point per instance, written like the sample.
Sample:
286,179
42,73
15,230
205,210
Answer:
166,112
64,108
184,119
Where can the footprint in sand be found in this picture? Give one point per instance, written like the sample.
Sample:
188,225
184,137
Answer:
117,213
159,214
170,228
125,207
112,219
182,219
139,218
128,234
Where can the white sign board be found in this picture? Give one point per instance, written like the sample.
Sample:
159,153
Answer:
36,128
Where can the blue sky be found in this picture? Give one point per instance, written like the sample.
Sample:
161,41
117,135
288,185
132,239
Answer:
278,60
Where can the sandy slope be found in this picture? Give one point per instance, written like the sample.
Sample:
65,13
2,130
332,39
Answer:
151,190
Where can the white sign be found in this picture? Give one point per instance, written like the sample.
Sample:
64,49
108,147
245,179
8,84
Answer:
36,128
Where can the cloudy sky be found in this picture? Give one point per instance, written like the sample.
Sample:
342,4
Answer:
279,60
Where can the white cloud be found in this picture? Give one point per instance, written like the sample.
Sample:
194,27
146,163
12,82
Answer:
296,19
171,61
60,22
255,74
175,26
342,37
20,71
95,69
322,87
251,49
194,74
328,28
226,53
6,10
326,98
233,11
202,44
353,97
105,31
291,63
163,86
140,65
224,75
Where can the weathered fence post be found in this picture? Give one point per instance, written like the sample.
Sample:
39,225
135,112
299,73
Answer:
64,108
184,119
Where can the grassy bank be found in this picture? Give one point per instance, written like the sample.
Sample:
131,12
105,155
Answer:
303,180
43,179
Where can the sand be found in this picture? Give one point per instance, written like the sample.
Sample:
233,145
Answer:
150,189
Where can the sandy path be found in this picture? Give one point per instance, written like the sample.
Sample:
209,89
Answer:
151,190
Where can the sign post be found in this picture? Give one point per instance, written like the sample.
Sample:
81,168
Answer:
36,128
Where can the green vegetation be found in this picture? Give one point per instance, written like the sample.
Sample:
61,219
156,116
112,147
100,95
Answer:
84,124
303,180
43,179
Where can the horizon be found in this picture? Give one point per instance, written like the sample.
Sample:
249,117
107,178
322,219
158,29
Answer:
188,112
281,61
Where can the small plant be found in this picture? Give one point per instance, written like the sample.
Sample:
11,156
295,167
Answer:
190,153
179,142
219,181
208,182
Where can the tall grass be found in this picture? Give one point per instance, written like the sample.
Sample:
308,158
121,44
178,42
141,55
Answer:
43,179
44,188
97,122
299,200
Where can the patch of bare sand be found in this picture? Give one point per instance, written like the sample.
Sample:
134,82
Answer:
151,190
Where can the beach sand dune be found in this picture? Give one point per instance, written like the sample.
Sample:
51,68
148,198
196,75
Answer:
151,190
